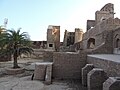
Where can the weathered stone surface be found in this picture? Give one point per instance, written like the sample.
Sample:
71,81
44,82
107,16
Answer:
112,83
68,65
12,71
39,73
95,79
48,56
103,30
85,71
28,85
110,63
48,77
53,37
43,71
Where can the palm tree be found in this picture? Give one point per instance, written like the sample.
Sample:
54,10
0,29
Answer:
16,43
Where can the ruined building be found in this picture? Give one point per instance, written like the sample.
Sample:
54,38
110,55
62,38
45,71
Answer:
78,35
71,38
53,37
103,33
39,44
97,63
68,38
106,12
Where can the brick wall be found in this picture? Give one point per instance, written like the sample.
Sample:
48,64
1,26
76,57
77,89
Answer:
67,65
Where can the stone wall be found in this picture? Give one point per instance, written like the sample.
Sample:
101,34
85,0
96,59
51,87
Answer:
78,35
37,54
116,36
112,68
109,24
90,24
48,56
106,47
106,12
68,65
100,32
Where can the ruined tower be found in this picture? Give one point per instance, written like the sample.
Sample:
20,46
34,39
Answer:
69,38
106,12
53,37
78,35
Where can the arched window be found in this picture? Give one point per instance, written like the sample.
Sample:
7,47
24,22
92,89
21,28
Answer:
91,43
117,41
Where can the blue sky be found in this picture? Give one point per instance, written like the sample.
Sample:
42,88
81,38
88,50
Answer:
34,16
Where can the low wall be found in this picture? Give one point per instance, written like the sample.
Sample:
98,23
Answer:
68,65
48,56
5,58
110,65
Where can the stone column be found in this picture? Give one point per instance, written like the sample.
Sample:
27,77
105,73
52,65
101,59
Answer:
95,79
85,71
112,83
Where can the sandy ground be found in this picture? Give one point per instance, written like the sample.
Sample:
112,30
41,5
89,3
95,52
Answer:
24,82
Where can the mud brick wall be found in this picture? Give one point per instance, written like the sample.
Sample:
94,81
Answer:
48,56
68,65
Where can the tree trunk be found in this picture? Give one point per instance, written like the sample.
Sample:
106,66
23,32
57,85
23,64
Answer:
15,64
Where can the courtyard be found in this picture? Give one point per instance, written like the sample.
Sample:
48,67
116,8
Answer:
23,81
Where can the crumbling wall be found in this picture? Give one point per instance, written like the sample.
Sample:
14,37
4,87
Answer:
53,37
99,32
48,56
68,65
116,36
106,12
90,24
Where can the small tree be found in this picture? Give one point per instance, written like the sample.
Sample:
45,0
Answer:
16,43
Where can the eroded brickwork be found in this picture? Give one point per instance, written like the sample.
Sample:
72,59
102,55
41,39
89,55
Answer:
53,37
68,65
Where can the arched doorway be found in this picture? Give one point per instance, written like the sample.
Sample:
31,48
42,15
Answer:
91,43
117,43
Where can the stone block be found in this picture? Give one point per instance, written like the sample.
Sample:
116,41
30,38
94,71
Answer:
48,76
112,83
39,73
95,79
85,71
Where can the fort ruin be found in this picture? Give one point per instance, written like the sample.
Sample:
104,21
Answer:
92,57
99,46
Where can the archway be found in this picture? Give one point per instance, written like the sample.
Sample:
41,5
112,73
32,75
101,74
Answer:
91,43
117,43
